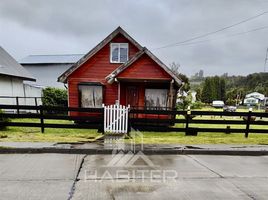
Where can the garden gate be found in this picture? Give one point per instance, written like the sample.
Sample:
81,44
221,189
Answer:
116,119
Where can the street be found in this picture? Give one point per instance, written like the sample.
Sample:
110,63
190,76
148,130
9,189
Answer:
120,176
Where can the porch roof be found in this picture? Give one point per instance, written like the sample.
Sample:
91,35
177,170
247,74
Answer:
111,77
143,80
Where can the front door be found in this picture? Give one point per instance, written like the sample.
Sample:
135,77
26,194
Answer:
132,96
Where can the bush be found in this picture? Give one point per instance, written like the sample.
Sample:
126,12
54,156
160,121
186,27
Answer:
185,102
197,105
55,97
230,102
3,120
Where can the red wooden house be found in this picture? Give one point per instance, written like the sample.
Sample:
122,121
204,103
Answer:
120,70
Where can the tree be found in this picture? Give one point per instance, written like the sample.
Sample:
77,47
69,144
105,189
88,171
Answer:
174,67
206,92
213,89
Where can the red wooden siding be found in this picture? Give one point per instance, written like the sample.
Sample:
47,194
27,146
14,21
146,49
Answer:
95,70
144,68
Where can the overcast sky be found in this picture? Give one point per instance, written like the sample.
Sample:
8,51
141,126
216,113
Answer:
68,26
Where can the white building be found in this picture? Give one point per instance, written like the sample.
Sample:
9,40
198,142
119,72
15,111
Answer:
254,98
47,68
12,76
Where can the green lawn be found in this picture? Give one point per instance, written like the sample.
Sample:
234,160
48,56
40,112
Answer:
202,138
26,134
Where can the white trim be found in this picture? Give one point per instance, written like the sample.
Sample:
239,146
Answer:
112,43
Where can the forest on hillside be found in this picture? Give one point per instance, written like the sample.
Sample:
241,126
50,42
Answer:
230,88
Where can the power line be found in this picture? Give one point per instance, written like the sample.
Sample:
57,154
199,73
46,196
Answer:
228,36
213,32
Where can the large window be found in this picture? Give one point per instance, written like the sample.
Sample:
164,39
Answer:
119,52
90,96
156,98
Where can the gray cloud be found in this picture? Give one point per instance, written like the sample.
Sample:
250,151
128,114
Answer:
67,26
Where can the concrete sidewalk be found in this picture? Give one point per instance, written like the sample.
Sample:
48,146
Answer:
107,148
81,177
37,176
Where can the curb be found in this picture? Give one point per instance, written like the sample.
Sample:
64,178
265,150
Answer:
146,151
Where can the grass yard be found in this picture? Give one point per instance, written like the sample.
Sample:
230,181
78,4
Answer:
202,138
26,134
29,134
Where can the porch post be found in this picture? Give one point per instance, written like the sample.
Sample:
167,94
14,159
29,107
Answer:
171,93
119,92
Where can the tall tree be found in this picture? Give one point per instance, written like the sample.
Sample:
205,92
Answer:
175,67
213,89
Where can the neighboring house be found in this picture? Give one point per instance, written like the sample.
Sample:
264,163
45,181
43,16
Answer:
12,75
256,95
251,101
47,68
254,98
266,101
120,70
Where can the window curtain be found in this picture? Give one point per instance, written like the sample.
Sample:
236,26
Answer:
91,96
156,98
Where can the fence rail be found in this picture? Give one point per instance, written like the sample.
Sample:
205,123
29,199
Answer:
150,120
94,120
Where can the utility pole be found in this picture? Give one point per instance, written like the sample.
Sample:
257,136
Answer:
265,61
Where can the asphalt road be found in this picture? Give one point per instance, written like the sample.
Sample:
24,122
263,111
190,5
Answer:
67,176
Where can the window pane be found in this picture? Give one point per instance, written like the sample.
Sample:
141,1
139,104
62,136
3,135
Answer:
97,93
123,52
115,52
91,96
156,98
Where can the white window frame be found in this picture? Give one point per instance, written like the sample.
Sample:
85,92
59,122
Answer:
111,53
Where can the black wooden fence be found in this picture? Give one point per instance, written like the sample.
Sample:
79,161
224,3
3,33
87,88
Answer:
189,118
94,120
142,119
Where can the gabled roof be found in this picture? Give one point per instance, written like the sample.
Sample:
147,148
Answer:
256,95
104,42
110,78
10,67
51,59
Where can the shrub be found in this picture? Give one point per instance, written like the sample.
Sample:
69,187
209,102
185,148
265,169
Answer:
2,119
185,102
197,105
55,97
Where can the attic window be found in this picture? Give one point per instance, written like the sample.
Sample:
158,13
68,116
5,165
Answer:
119,52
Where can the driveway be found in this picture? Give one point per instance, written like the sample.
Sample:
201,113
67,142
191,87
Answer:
128,176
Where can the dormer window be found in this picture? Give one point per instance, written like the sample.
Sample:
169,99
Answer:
118,52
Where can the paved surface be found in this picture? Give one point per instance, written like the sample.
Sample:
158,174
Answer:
52,176
105,146
37,176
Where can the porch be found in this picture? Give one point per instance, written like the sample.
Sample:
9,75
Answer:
147,94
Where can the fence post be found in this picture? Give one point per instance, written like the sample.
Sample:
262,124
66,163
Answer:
104,119
248,122
187,119
36,104
17,103
42,118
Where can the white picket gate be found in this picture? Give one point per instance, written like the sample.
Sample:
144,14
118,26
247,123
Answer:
116,118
